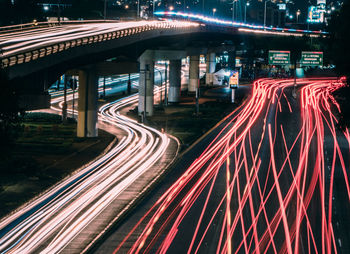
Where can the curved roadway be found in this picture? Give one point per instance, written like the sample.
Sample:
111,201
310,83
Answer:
92,198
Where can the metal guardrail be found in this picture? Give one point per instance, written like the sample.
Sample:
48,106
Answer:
41,52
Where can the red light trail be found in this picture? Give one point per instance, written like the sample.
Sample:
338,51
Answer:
265,184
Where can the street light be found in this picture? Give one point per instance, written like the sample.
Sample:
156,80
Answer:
214,10
233,10
245,11
298,13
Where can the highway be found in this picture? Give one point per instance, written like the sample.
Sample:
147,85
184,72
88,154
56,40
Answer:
22,41
87,200
19,47
271,178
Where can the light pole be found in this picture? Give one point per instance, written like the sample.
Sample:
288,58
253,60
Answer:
245,11
214,10
298,14
233,10
138,8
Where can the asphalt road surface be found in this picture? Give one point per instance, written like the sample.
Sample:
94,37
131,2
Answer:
271,178
71,215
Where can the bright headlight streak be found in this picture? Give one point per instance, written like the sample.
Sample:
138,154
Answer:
306,172
133,155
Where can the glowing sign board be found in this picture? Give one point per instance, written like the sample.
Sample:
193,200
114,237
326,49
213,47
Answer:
277,57
234,79
311,58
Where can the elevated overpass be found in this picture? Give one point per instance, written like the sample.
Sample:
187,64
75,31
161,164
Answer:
35,47
36,55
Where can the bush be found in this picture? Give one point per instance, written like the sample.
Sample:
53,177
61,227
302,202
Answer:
42,117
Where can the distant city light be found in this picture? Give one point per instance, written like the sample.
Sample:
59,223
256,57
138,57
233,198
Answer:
242,26
46,8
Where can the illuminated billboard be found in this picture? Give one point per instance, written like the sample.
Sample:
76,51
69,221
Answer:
315,14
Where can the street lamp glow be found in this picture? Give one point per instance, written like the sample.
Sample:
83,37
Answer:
245,11
298,14
46,8
171,8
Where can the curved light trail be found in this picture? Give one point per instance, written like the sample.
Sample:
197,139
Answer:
266,183
53,220
245,27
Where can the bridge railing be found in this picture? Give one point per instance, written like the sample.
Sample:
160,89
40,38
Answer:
41,52
35,25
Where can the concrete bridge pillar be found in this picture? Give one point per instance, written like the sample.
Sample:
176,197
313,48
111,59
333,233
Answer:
146,84
194,73
87,103
211,64
175,81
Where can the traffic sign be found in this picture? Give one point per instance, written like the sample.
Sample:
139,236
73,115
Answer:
309,58
277,57
234,79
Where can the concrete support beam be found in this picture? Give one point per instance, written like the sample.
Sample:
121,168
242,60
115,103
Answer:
163,55
87,103
146,84
175,81
211,64
194,73
110,68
